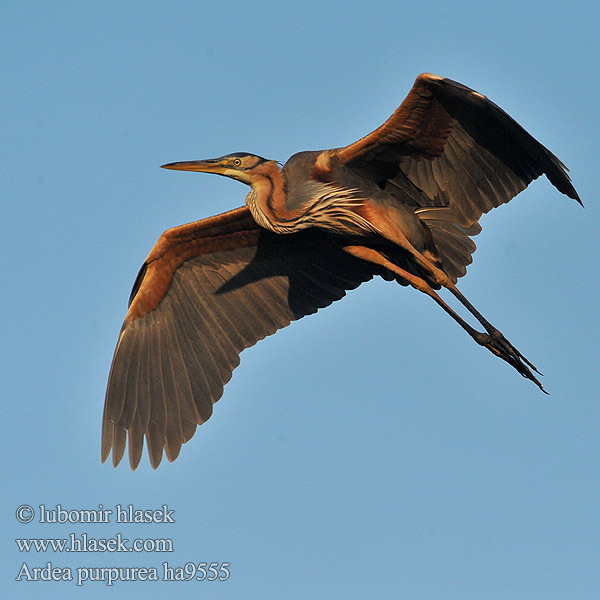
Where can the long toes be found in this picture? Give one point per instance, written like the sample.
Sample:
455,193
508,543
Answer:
499,339
502,348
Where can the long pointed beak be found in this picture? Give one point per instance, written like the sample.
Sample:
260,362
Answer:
203,166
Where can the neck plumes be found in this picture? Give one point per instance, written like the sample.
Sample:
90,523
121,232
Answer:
323,205
266,200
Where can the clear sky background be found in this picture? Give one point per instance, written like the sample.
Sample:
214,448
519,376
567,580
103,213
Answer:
373,449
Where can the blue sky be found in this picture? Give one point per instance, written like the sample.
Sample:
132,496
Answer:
371,449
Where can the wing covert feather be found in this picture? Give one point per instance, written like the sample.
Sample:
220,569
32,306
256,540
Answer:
449,147
207,291
456,146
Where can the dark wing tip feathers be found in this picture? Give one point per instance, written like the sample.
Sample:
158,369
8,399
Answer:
170,426
554,168
419,129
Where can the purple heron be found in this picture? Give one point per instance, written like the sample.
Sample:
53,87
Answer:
401,203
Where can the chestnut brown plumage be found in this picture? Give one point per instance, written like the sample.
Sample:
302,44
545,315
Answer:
402,203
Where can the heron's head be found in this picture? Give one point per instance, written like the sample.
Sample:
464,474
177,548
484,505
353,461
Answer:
247,168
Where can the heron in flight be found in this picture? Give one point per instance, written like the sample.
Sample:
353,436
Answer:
402,202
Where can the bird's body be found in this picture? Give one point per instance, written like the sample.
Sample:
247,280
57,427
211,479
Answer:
402,203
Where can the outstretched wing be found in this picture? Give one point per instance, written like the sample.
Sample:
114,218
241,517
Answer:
454,155
207,291
457,147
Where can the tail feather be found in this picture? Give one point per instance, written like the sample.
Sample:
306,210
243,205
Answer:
452,240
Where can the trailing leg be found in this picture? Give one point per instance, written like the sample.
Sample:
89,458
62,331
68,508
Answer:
495,342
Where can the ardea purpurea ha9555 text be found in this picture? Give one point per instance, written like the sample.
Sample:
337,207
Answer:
401,203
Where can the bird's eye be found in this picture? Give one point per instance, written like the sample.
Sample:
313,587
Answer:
237,162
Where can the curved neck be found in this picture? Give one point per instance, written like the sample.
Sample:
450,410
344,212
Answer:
267,199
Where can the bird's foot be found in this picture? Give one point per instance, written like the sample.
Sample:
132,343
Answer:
495,342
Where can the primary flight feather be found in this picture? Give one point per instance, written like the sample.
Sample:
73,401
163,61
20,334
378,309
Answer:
401,203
